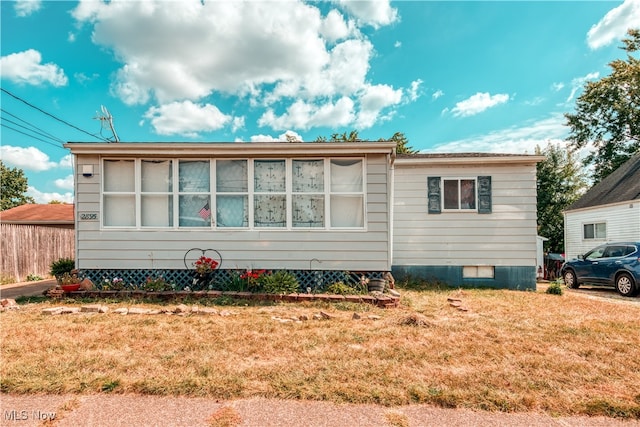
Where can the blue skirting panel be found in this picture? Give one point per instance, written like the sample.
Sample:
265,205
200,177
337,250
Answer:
517,278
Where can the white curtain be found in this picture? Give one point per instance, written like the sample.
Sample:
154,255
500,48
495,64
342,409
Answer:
119,207
346,176
157,209
347,211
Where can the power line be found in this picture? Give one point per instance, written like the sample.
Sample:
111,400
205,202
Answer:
30,136
30,126
51,115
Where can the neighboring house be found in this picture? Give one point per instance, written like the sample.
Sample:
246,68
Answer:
608,212
35,235
312,208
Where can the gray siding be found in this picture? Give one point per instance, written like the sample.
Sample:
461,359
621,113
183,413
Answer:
354,250
505,237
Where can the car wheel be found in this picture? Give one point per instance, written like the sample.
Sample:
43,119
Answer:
570,279
625,285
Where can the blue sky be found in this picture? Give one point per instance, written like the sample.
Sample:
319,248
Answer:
452,76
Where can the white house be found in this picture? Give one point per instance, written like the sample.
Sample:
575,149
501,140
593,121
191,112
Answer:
608,212
312,208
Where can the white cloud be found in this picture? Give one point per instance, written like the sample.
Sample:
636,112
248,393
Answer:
65,183
376,13
437,94
26,67
44,198
66,161
334,27
237,123
273,57
578,83
414,91
558,86
478,103
397,44
517,139
288,136
27,158
614,25
186,118
303,115
27,7
373,101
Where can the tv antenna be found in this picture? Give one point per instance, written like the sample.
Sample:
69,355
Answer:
106,119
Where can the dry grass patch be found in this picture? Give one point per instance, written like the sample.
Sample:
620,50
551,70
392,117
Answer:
511,351
225,417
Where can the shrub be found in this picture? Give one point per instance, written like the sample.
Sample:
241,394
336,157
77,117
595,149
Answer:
554,288
61,266
340,288
33,278
281,282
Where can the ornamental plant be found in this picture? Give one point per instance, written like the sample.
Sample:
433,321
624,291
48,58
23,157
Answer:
205,265
253,278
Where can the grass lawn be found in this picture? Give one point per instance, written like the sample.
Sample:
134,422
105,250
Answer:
511,351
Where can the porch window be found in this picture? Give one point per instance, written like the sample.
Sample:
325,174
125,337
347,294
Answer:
156,200
232,203
119,207
234,193
347,193
270,198
595,231
308,193
193,193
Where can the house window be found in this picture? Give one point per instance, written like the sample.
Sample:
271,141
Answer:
459,194
194,209
596,230
119,203
240,193
347,193
270,193
478,272
308,198
232,193
156,193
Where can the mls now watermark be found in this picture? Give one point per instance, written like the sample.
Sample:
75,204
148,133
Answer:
14,415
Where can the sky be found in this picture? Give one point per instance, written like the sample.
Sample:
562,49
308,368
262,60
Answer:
452,76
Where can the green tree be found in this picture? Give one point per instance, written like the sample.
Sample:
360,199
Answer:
561,181
607,114
401,141
13,186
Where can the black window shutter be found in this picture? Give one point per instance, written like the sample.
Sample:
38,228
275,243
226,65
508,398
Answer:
433,195
484,194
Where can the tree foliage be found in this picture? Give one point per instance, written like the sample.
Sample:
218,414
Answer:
561,181
607,114
13,188
399,138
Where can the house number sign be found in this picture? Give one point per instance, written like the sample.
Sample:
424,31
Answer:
89,216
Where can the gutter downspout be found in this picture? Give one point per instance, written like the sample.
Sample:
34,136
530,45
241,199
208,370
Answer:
391,158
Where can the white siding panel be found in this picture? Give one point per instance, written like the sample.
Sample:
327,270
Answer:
505,237
623,224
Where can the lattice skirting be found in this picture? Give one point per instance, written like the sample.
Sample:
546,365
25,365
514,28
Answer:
310,280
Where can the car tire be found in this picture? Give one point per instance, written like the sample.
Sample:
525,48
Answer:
625,285
570,279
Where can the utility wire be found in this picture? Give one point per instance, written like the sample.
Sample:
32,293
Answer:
30,136
30,126
5,120
51,115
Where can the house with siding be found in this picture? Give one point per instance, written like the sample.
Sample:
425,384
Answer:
33,236
317,209
608,212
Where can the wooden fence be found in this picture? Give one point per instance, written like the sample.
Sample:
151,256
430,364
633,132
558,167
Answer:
30,249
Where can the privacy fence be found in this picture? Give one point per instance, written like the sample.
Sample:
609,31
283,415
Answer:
30,249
